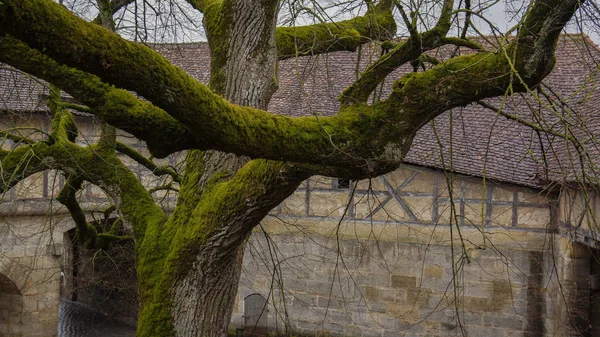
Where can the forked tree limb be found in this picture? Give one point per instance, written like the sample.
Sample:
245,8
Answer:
380,134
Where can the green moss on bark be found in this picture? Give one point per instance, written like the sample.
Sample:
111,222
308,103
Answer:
347,35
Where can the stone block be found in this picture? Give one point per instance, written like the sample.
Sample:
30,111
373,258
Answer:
388,295
431,271
48,304
295,285
432,327
389,323
30,303
329,302
486,331
364,319
399,296
331,329
29,318
435,285
18,330
340,316
15,317
16,303
405,312
476,304
403,282
372,279
31,251
478,289
361,331
512,322
376,307
419,296
371,293
18,251
319,288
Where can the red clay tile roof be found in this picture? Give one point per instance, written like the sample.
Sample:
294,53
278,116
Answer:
482,143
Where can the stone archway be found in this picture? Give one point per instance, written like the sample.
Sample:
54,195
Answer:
11,308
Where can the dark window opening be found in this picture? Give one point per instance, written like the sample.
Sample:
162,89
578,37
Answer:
343,183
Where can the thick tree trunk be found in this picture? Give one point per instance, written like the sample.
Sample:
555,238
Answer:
243,71
204,298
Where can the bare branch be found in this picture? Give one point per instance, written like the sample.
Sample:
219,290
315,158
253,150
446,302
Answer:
405,52
16,138
147,163
519,120
87,234
202,5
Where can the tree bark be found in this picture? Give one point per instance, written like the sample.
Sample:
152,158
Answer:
244,71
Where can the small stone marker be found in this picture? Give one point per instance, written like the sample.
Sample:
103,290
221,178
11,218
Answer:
255,315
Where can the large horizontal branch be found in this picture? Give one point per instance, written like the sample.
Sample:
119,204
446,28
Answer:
361,136
105,171
163,134
377,24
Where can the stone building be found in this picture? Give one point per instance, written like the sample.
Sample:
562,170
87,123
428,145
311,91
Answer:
489,229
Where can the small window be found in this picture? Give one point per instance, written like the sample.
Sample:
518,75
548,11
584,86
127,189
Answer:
343,183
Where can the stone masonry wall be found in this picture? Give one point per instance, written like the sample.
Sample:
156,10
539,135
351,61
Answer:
382,259
30,269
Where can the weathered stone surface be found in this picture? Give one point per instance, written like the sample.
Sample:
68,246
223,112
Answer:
530,217
328,204
295,204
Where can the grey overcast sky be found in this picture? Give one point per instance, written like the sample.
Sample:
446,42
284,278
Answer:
504,14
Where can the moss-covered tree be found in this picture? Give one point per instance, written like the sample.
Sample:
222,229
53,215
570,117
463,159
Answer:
242,161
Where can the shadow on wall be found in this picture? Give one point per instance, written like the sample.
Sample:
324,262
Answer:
11,307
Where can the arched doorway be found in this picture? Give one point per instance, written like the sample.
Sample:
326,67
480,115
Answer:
11,308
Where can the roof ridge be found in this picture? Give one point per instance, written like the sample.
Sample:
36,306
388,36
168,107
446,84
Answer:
176,44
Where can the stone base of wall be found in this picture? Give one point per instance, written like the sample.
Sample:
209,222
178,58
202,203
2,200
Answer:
362,281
